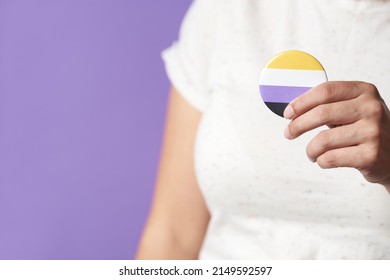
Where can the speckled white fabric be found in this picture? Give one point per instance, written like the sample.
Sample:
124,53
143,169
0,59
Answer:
266,199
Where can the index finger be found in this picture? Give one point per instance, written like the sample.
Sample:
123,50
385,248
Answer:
327,92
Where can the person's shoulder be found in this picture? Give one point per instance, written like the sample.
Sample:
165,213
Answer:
243,8
225,4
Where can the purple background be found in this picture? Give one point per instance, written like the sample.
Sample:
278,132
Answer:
82,101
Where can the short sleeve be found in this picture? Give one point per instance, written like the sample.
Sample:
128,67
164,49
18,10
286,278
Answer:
187,60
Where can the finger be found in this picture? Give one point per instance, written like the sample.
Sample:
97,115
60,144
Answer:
332,114
330,139
361,157
326,93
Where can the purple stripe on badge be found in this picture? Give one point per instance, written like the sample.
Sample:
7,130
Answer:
281,94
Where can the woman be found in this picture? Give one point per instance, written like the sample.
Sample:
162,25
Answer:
230,186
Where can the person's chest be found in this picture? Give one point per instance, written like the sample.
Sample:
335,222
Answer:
242,159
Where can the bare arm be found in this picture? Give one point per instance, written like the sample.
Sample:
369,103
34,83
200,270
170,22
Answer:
178,219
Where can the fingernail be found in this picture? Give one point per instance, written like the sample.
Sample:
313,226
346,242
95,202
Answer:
287,133
288,112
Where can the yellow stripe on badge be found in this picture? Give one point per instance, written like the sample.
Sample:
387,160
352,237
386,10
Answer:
294,59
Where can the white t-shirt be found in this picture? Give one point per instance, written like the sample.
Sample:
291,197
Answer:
266,199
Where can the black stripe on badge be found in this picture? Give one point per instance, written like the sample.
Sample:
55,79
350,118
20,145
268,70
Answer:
277,108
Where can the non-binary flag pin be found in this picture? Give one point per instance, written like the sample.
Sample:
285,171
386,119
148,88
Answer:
288,75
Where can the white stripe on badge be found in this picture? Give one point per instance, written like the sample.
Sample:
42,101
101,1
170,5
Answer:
292,77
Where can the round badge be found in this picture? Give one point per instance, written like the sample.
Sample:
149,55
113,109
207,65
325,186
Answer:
288,75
